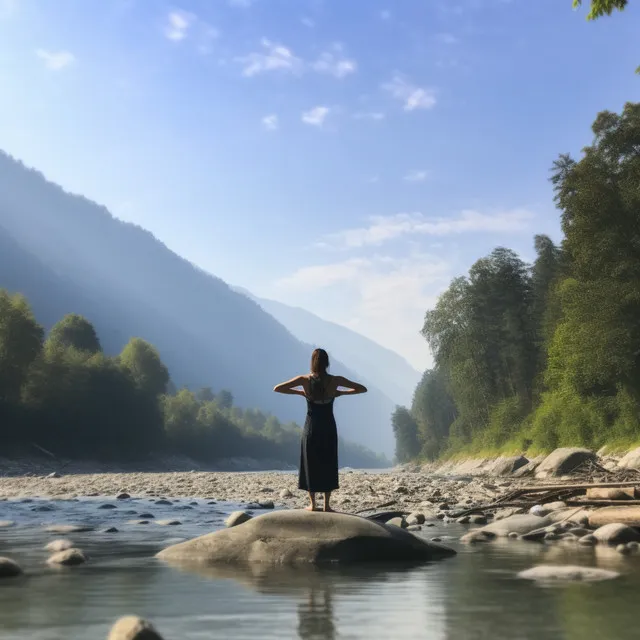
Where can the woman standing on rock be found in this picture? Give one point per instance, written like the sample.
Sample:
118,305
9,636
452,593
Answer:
319,450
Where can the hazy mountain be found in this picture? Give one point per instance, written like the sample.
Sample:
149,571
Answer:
374,363
68,254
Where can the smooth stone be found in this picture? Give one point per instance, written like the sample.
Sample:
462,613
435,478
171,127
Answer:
107,506
69,528
414,527
305,537
9,568
520,524
397,522
147,516
111,530
43,508
268,504
168,523
478,519
416,518
164,502
616,533
55,474
506,466
59,545
68,558
563,461
633,546
133,628
237,518
286,493
631,460
567,572
588,541
623,549
477,535
513,535
463,520
123,496
138,522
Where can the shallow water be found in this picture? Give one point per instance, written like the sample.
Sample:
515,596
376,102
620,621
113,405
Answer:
474,596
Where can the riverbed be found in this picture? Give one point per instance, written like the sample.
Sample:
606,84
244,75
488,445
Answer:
475,595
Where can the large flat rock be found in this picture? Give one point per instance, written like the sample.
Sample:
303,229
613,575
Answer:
631,460
304,537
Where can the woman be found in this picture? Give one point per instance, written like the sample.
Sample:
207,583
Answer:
319,450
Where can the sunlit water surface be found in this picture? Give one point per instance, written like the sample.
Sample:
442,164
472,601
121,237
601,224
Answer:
475,595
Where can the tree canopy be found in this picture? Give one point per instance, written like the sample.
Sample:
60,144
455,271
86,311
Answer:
547,354
599,8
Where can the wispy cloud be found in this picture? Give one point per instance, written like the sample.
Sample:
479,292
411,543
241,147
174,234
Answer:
315,116
382,297
271,122
369,115
447,38
333,62
385,14
386,228
414,97
178,25
273,57
56,60
416,175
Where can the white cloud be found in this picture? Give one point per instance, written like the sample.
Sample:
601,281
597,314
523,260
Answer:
385,15
334,63
382,297
417,175
55,60
414,97
386,228
178,25
315,116
270,122
369,115
274,57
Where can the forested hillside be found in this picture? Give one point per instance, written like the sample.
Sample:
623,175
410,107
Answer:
69,255
65,395
375,365
532,357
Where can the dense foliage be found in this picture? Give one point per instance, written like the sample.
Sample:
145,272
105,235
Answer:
531,357
64,395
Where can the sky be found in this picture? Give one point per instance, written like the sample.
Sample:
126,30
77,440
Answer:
348,157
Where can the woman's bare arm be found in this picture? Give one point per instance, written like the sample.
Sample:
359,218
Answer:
289,387
349,388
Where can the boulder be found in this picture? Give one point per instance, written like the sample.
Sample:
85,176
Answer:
520,524
615,534
567,572
305,537
526,470
59,545
506,466
564,461
236,518
607,515
416,518
9,568
133,628
67,558
631,460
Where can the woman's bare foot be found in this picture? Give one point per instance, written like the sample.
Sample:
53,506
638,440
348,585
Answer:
310,508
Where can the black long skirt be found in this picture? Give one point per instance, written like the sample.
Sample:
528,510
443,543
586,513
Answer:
319,450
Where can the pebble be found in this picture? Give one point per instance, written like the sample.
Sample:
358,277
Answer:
147,516
164,502
133,628
67,558
623,549
123,496
111,530
107,506
59,545
168,523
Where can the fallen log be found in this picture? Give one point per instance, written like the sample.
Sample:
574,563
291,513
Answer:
624,515
612,493
587,485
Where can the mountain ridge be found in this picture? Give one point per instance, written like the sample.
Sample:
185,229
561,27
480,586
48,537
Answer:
128,283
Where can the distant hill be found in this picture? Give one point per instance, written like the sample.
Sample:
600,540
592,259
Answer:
374,363
69,254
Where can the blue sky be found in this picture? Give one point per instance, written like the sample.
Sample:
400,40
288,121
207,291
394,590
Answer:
349,157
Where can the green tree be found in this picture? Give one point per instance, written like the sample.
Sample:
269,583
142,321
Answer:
599,8
405,430
143,363
77,332
225,399
20,343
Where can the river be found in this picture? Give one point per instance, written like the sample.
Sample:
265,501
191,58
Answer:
473,596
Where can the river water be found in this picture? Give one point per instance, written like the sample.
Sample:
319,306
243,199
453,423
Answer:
473,596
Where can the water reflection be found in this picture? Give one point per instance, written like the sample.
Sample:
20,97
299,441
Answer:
315,617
